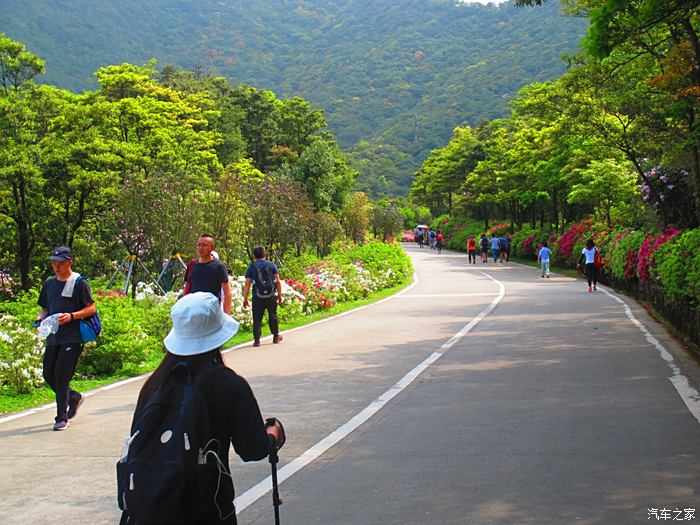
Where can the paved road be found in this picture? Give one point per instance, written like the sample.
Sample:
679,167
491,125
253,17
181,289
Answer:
482,394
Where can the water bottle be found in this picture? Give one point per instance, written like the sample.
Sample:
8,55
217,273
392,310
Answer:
49,325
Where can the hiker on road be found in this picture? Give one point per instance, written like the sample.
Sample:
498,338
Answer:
543,257
495,247
156,494
471,249
588,255
265,279
484,245
68,296
208,273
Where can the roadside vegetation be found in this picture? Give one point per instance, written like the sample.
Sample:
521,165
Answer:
609,152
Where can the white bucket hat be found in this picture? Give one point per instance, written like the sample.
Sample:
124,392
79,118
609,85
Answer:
199,325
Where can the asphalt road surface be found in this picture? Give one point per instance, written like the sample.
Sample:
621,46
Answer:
481,394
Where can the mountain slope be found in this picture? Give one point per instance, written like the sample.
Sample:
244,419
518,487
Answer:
396,74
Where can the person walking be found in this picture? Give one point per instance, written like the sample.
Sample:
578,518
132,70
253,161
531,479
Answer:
200,329
503,248
495,247
265,280
543,258
208,273
484,245
588,255
69,297
471,249
432,238
439,243
509,241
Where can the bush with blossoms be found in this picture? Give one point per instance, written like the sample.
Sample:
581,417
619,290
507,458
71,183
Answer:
133,327
21,355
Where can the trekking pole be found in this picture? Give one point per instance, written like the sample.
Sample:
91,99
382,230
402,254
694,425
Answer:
276,501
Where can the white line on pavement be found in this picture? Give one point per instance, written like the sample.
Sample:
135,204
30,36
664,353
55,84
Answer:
262,488
688,394
475,294
123,382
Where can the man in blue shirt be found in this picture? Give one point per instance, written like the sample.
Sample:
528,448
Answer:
543,258
265,278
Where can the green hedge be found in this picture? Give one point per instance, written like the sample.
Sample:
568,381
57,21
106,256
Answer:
134,328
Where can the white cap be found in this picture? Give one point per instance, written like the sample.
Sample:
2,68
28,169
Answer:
199,325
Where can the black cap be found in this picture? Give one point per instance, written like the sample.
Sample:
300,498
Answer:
62,253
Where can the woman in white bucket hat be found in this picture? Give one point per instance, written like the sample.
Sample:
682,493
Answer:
200,329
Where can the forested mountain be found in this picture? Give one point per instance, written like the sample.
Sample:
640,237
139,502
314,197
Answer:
393,76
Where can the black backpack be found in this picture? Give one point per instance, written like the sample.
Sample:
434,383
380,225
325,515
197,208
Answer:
170,471
265,281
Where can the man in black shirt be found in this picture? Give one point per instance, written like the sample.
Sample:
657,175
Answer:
69,296
209,274
262,302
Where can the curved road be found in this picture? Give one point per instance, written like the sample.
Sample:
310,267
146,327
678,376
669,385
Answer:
481,394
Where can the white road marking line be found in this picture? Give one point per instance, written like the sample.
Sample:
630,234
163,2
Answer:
123,382
475,294
689,395
288,470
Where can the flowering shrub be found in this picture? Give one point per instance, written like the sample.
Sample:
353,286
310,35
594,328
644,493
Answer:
21,354
572,239
134,328
677,262
624,258
408,236
500,230
648,249
670,195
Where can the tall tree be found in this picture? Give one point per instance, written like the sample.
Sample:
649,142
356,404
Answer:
24,123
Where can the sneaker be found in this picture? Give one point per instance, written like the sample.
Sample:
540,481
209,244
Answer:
277,338
61,425
594,288
256,343
74,405
590,289
548,277
542,276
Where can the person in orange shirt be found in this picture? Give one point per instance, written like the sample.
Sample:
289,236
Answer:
471,249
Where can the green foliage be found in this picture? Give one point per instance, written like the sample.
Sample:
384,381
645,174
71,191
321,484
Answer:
678,266
400,80
379,257
134,327
386,222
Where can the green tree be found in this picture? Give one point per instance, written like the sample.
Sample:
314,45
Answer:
24,119
298,123
356,216
605,184
326,173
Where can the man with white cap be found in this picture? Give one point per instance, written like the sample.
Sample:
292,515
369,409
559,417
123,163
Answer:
68,296
200,329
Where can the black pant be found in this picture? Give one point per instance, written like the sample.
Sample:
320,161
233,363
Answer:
591,273
259,307
60,362
472,256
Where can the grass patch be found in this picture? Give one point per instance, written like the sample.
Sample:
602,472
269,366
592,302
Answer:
14,402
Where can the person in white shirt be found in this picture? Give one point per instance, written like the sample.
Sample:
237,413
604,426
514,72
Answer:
588,254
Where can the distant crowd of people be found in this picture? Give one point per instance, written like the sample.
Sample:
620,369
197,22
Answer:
498,247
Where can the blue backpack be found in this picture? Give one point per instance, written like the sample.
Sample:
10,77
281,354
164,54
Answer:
90,327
